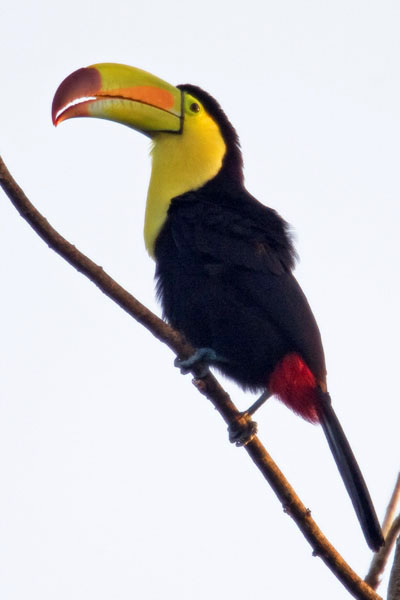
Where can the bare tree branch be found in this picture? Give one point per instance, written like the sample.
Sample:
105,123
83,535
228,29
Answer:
390,529
207,385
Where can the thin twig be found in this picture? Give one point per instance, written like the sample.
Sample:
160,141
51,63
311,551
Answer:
390,529
208,385
394,581
380,559
391,508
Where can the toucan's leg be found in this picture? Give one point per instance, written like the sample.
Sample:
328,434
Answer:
243,429
208,356
259,402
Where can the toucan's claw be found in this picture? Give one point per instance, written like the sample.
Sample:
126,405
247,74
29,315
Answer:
207,356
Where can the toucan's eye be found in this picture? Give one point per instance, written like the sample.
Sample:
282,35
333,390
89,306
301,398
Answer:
194,107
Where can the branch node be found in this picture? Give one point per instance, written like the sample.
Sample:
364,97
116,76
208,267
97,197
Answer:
200,384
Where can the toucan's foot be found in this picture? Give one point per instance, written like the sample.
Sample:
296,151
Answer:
242,429
259,402
202,355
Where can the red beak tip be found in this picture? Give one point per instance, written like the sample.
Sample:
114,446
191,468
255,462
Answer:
83,82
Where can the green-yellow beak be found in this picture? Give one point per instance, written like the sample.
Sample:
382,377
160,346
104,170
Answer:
120,93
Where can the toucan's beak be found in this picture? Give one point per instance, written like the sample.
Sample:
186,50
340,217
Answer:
120,93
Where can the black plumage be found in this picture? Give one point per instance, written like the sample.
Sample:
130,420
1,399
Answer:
224,279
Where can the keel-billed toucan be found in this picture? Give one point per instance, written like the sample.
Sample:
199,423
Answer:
223,260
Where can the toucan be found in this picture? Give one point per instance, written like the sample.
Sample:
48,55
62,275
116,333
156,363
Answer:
224,260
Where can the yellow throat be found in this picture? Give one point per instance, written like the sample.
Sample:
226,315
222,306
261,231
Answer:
181,163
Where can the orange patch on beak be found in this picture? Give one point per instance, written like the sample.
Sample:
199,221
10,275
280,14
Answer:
147,94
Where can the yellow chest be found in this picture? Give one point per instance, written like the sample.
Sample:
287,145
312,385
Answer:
180,163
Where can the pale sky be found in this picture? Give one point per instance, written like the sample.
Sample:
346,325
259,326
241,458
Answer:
117,477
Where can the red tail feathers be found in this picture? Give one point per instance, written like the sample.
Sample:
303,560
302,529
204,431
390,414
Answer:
294,384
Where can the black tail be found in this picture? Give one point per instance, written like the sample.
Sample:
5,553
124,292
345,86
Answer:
350,472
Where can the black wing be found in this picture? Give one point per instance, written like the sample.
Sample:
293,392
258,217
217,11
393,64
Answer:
240,248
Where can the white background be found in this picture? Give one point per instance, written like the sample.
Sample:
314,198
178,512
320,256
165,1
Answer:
117,479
